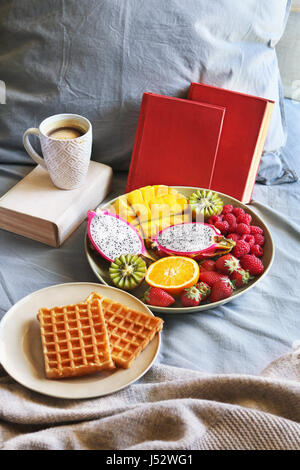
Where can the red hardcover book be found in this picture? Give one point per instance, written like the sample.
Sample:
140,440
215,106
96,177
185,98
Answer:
176,142
244,132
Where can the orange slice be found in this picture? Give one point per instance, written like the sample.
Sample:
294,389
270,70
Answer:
173,274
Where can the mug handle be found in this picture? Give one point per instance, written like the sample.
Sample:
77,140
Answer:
30,150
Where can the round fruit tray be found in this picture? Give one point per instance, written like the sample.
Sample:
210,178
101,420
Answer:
100,266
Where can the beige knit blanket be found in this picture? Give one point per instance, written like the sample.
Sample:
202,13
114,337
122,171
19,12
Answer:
169,408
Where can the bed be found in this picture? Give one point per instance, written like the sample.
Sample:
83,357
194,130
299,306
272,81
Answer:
244,335
215,368
205,358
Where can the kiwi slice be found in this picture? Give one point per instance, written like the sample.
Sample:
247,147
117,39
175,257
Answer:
206,203
127,271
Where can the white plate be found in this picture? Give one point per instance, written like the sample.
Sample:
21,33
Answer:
21,348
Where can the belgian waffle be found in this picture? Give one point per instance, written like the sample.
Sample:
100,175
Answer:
74,340
130,331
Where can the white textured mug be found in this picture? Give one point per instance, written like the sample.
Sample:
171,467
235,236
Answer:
67,160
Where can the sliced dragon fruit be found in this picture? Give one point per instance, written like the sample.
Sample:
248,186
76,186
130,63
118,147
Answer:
193,239
113,236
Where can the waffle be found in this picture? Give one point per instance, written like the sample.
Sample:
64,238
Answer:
130,331
74,340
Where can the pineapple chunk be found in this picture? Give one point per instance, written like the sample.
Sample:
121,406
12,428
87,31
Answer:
149,228
148,194
124,210
160,189
167,205
138,205
135,197
142,211
149,204
152,227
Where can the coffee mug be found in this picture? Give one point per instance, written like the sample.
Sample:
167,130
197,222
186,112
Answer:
66,142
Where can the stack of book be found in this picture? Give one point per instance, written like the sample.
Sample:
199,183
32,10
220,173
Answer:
213,139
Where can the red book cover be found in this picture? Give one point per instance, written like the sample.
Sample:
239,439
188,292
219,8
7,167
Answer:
244,132
176,142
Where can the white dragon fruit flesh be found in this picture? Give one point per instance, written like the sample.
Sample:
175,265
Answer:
193,239
113,236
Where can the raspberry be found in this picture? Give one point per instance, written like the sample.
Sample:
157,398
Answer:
248,239
256,250
244,219
241,248
227,209
213,219
230,218
252,264
234,236
259,239
237,211
222,226
243,229
254,229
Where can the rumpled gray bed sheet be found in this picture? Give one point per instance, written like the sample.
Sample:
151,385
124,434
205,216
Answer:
241,337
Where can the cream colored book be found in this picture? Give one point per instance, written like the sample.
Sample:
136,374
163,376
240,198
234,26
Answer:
36,209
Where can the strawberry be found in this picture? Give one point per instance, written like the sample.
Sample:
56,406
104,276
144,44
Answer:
252,264
243,229
207,265
221,290
256,250
211,277
204,290
241,248
190,297
158,297
226,264
240,278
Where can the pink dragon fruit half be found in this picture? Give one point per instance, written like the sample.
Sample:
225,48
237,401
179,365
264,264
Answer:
193,239
113,236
